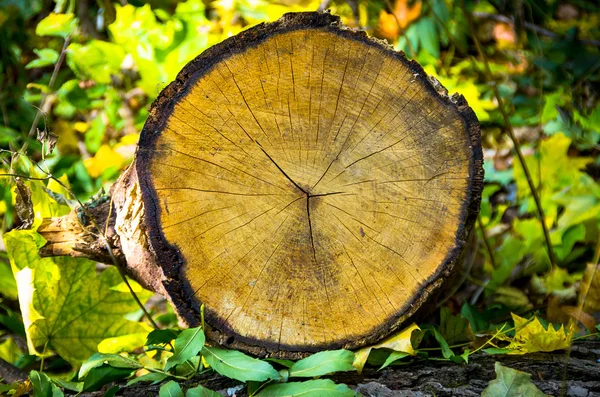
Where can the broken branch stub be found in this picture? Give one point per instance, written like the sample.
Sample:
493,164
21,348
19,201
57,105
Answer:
307,184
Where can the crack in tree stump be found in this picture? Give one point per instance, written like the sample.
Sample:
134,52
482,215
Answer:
307,184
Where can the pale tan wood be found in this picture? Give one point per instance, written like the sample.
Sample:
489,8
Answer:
314,186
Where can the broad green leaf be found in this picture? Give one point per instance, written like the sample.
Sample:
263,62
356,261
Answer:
64,302
187,345
103,375
400,342
170,389
114,360
56,25
510,382
455,329
122,343
237,365
477,322
201,391
282,362
310,388
43,386
394,356
112,391
161,336
154,377
323,363
47,57
531,336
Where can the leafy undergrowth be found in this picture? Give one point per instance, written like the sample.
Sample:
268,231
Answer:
530,74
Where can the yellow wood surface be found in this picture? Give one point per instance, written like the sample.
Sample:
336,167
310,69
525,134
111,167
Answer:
312,184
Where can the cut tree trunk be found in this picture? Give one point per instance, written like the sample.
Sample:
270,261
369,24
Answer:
308,185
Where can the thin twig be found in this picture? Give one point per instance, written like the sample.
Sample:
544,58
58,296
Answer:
38,114
513,138
486,242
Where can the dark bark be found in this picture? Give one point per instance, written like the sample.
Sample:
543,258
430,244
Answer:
437,378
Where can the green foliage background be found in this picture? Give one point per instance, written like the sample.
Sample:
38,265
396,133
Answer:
114,58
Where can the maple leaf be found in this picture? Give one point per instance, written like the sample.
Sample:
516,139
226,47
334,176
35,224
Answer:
531,336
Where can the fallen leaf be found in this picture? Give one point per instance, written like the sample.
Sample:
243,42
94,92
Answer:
400,342
510,382
531,336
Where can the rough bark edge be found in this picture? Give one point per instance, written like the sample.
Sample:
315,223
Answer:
168,256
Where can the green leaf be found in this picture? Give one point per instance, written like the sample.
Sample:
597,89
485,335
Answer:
112,391
60,25
114,360
477,322
154,377
65,303
103,375
454,329
187,345
311,388
43,386
161,336
323,363
446,351
237,365
510,382
428,36
170,389
47,57
394,356
201,391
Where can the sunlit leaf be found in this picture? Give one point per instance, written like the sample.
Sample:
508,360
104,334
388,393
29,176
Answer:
311,388
531,336
64,302
187,345
237,365
510,382
323,363
113,360
47,57
56,25
400,342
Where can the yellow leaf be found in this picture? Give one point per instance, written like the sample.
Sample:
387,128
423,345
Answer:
531,336
124,343
104,159
399,342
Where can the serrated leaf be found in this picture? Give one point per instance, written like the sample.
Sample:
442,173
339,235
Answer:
60,25
201,391
310,388
510,382
323,363
187,345
103,375
64,302
170,389
531,336
400,342
114,360
237,365
46,57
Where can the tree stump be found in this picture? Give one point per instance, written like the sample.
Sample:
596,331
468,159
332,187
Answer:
308,185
